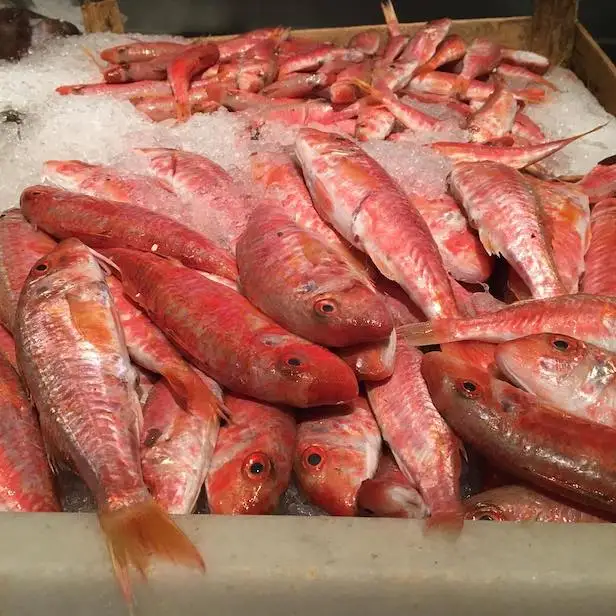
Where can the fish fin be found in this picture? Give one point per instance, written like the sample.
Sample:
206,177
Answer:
389,13
420,334
449,522
487,244
200,399
137,533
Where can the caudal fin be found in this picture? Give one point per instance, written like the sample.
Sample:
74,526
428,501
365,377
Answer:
143,531
391,19
423,334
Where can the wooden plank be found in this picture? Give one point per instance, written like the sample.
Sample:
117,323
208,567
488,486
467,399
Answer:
553,29
591,64
102,16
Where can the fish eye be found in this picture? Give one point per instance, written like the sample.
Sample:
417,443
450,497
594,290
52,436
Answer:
152,437
469,389
486,517
560,344
313,457
325,307
42,267
294,361
257,466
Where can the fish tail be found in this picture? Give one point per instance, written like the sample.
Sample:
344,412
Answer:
391,19
423,334
449,522
139,532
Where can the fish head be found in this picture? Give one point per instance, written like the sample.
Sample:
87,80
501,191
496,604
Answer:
67,173
390,500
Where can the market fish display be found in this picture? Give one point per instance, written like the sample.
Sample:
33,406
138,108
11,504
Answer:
72,354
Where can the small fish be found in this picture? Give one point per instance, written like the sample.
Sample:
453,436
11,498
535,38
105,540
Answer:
425,42
426,450
496,116
176,448
528,59
140,51
503,207
481,58
259,69
306,286
591,318
451,49
574,376
600,182
296,85
566,455
21,246
336,450
106,224
525,128
226,337
252,462
72,354
519,503
120,91
389,494
600,260
160,108
307,61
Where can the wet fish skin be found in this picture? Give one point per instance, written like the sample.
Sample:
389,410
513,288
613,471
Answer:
7,346
529,59
566,455
372,361
496,117
21,246
600,182
600,274
374,122
229,339
503,207
140,51
574,376
482,57
252,462
107,224
336,450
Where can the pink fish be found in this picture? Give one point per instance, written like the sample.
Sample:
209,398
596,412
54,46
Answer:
528,59
311,60
245,42
374,122
295,85
511,71
481,58
368,41
496,116
160,108
372,361
451,49
600,182
140,51
425,42
600,275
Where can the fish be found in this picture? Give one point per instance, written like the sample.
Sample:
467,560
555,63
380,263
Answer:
343,90
306,286
259,69
308,61
368,41
120,91
517,157
374,122
295,85
599,275
183,67
397,41
519,503
512,71
505,210
463,255
7,346
149,70
565,455
495,118
21,246
481,58
245,42
160,108
528,59
567,222
451,49
591,318
425,42
389,494
525,128
102,223
336,450
26,482
176,448
355,195
207,186
371,361
252,462
574,376
73,358
426,450
140,51
600,182
227,338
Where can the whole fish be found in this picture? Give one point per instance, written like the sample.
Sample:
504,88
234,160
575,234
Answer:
140,51
183,67
591,318
463,255
252,462
495,118
426,450
21,246
525,128
374,122
176,449
567,223
372,361
72,355
505,210
481,58
519,503
336,450
575,376
451,49
566,455
116,184
600,182
207,186
106,224
229,339
389,494
600,273
121,91
306,286
26,483
353,192
7,346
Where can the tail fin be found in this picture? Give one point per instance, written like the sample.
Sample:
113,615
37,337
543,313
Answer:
422,334
391,19
139,532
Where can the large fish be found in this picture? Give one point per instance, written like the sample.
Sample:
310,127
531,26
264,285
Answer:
176,449
574,376
566,455
600,260
354,194
252,462
305,285
226,337
21,246
425,448
505,210
72,354
108,224
591,318
336,450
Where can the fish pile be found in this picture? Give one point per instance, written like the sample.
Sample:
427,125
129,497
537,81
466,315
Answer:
166,332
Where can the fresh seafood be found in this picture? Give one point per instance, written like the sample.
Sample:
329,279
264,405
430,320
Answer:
600,182
600,273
